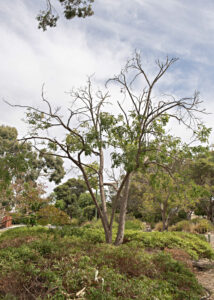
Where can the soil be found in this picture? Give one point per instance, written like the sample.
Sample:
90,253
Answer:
206,278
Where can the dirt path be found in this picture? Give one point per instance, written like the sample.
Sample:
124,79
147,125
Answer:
11,227
206,278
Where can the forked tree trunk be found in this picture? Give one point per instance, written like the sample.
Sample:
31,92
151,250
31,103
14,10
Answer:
102,212
122,217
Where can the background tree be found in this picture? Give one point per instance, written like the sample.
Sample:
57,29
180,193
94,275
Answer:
19,160
20,165
13,159
169,195
71,9
72,198
202,172
26,198
137,205
91,132
165,188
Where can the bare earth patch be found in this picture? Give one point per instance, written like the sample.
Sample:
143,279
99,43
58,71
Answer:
17,242
206,278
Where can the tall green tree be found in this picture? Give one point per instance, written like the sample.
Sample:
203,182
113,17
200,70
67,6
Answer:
19,163
12,158
202,172
166,187
91,132
20,160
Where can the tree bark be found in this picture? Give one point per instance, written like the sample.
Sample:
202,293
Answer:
210,213
102,213
164,220
108,235
104,217
122,217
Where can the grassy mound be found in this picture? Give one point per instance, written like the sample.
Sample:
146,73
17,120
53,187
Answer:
195,245
38,263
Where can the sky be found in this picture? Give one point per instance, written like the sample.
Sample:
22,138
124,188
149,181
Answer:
64,56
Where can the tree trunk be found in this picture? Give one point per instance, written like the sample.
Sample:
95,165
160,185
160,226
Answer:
122,217
210,213
189,214
104,217
101,184
108,236
165,218
102,212
164,221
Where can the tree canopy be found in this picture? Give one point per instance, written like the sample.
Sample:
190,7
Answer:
72,198
20,168
202,172
71,9
19,160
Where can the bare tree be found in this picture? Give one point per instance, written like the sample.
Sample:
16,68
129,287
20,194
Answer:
131,136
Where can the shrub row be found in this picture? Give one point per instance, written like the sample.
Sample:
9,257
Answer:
195,245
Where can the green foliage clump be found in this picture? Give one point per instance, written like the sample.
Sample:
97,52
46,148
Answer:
135,224
53,264
72,197
87,233
71,9
196,246
52,215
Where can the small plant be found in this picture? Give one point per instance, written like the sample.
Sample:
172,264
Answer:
184,225
203,226
158,226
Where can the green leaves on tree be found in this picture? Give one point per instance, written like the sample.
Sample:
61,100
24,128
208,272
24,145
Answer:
71,9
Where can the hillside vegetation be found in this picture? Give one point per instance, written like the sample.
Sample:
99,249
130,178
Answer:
74,263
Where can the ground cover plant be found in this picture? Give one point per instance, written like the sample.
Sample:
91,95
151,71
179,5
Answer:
195,245
72,263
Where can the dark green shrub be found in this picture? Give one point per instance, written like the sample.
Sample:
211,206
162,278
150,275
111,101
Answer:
194,245
52,215
89,212
135,224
